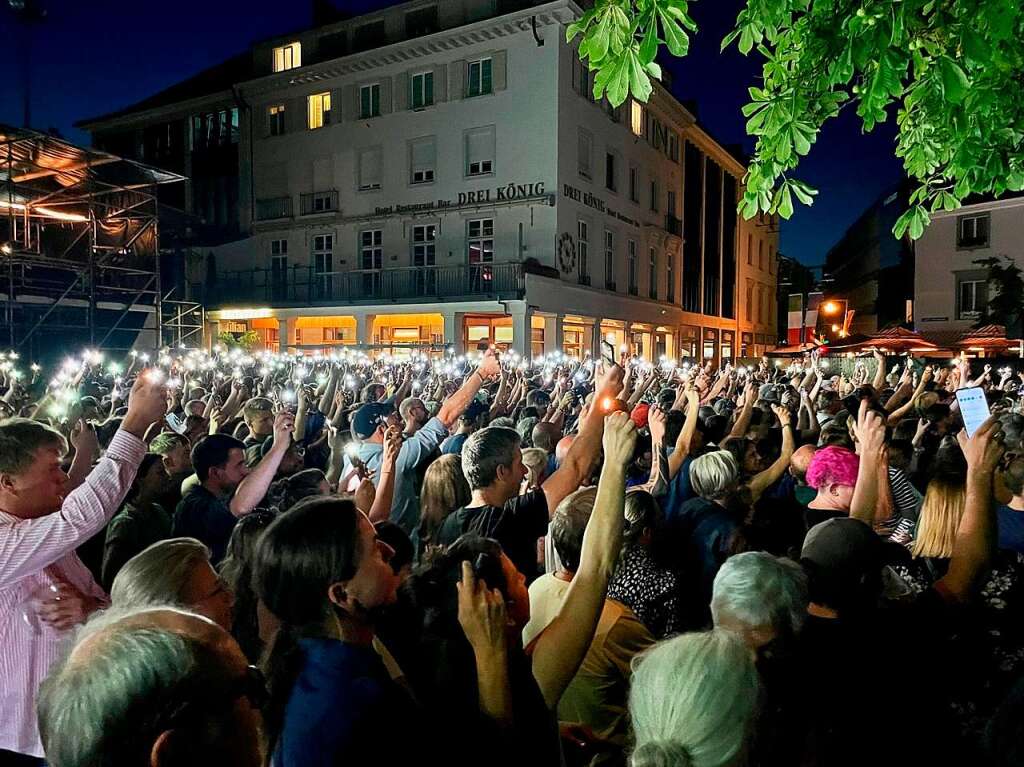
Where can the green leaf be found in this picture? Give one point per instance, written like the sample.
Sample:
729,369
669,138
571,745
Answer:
920,220
746,40
653,68
639,83
675,38
784,202
727,40
902,223
597,42
649,47
804,193
976,48
618,83
954,80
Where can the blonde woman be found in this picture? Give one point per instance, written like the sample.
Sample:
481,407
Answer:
535,460
444,490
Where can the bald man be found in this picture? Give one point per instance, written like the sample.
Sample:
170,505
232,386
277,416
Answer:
157,686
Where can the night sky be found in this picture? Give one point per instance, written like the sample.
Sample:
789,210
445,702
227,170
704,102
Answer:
96,57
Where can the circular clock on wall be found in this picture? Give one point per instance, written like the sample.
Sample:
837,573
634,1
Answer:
566,249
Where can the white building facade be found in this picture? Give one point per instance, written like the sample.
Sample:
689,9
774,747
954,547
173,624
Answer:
462,186
950,290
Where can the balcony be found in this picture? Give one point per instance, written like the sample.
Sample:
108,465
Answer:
302,286
274,207
318,202
673,225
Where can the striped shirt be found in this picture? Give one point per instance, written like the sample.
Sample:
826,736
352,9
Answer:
36,553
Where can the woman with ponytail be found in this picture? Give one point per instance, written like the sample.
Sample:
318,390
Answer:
693,701
321,571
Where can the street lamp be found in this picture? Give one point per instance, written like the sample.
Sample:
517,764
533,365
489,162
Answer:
830,308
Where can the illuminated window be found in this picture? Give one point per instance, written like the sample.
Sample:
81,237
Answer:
288,57
636,119
318,110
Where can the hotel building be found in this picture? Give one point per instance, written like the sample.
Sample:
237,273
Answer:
440,173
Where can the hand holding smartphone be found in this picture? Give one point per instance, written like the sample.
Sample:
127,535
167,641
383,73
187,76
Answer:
973,408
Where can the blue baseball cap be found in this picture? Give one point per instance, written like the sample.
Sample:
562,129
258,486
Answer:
368,417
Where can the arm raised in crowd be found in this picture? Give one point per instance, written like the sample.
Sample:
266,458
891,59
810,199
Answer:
658,483
743,418
456,404
975,541
381,508
484,621
773,473
252,489
870,434
581,456
685,439
561,647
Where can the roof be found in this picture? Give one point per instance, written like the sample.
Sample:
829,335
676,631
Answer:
219,77
43,174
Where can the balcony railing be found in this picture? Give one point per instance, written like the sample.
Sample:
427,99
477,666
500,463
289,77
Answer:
274,207
303,285
673,225
318,202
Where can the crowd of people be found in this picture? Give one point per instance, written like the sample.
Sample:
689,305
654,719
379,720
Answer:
235,557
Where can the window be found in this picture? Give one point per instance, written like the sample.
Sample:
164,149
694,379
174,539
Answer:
634,184
652,274
279,269
654,195
287,57
369,101
748,308
480,254
972,231
610,180
583,154
631,262
673,146
424,255
480,151
670,277
421,22
972,296
671,202
750,250
479,80
369,168
583,252
771,259
422,160
318,110
636,118
323,265
369,36
277,120
760,255
422,90
609,259
371,259
213,129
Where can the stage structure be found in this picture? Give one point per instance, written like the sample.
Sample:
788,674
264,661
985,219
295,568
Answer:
80,258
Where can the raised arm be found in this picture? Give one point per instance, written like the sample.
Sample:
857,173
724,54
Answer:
658,482
456,404
975,541
252,489
381,508
87,450
484,621
561,647
878,382
773,473
581,456
896,415
685,439
739,428
870,433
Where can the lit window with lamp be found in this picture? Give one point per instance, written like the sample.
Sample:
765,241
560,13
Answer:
318,110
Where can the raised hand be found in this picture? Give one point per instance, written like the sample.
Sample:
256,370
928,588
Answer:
490,367
869,431
985,448
482,614
284,422
656,422
619,439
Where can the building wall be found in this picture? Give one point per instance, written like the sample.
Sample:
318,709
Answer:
942,265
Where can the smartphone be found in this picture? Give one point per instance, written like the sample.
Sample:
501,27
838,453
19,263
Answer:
177,425
973,408
607,352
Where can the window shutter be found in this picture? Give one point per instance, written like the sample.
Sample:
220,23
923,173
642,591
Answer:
423,154
369,167
295,115
457,79
402,96
339,109
440,83
385,96
480,145
499,66
350,111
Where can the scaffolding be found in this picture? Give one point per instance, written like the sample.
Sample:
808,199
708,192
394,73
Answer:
80,250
